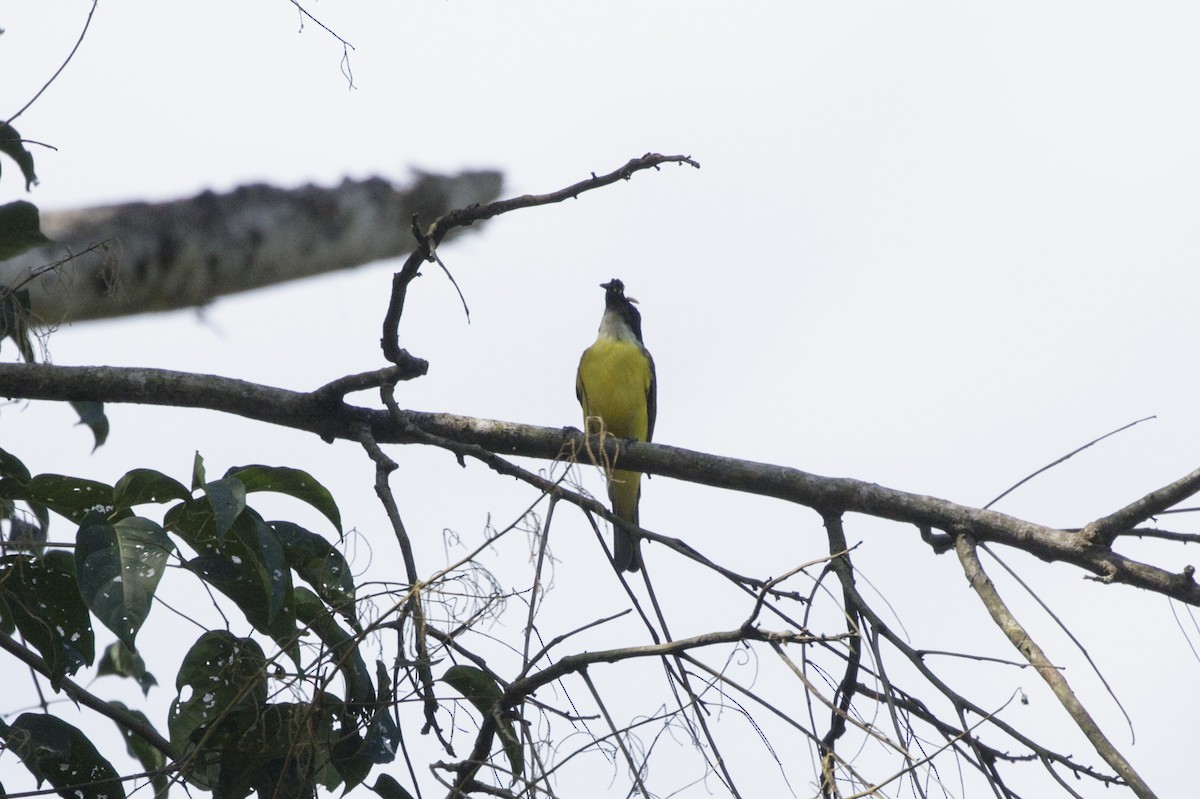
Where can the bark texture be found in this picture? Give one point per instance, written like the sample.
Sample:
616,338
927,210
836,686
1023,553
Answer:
140,257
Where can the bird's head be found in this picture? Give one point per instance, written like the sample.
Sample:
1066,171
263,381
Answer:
615,302
614,292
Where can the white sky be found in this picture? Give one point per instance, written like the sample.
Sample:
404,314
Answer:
933,246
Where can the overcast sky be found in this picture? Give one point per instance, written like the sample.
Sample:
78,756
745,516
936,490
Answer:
931,245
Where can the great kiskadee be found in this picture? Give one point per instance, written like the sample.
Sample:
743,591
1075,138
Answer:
616,386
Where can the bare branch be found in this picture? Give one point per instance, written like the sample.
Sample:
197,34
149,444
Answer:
967,554
86,24
1066,457
573,663
429,241
90,700
1103,532
315,413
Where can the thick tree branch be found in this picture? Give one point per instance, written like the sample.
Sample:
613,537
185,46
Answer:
324,413
186,253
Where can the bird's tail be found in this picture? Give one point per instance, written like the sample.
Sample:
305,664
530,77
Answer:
624,491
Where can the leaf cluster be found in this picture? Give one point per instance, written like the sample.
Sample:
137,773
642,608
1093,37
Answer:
228,732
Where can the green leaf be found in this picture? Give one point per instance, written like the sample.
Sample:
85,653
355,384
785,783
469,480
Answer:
355,755
227,497
20,229
142,486
383,736
140,749
198,479
512,746
92,414
43,599
71,497
14,485
233,668
11,466
320,565
12,146
119,660
220,674
484,692
119,566
279,750
293,482
342,646
193,521
16,310
387,788
58,753
479,687
249,568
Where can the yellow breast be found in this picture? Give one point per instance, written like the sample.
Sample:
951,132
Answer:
613,379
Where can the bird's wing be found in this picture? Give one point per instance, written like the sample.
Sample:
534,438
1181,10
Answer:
579,381
651,399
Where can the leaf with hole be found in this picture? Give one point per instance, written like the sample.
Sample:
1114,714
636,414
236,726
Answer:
40,596
119,566
60,754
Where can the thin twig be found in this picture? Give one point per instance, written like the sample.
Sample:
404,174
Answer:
90,700
1068,456
620,739
61,67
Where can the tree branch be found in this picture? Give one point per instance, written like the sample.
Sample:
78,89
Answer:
323,413
525,686
90,700
431,237
1102,532
982,584
186,253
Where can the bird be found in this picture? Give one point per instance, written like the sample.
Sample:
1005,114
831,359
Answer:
617,386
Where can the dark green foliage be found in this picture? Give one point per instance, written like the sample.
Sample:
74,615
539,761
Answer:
119,565
20,229
293,482
319,564
151,758
57,753
142,486
12,146
481,690
227,734
72,497
387,788
119,660
40,597
92,415
220,674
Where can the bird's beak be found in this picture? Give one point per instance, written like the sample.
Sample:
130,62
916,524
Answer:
631,299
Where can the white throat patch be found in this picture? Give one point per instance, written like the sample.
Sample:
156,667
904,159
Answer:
613,326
